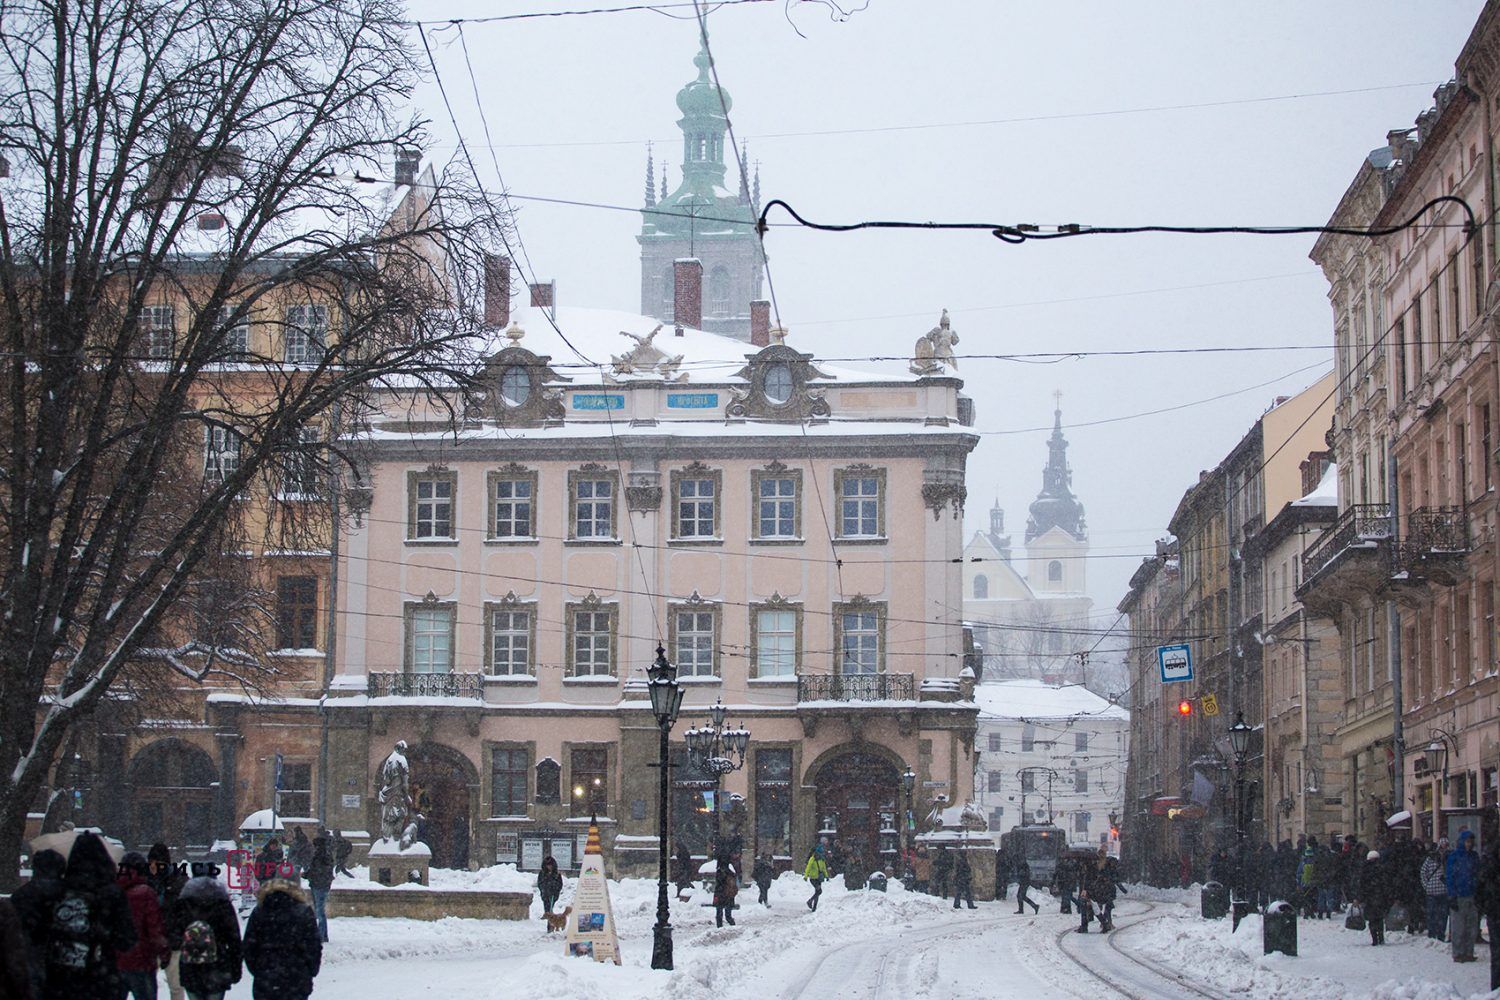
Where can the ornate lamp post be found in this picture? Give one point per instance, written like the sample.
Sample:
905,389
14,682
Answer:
666,702
1239,743
714,748
909,786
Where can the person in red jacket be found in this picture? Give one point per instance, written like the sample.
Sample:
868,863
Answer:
138,965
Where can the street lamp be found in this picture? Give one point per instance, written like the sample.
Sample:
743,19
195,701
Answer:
1435,756
666,702
909,786
718,750
1239,743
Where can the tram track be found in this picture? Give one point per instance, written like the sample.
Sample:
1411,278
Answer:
1128,966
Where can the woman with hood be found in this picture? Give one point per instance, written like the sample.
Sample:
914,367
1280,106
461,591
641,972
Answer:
138,964
549,883
282,949
87,927
816,872
204,934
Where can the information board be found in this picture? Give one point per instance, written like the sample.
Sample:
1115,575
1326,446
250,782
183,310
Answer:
591,925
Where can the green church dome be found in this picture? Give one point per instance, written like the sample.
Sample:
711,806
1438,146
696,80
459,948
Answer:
700,98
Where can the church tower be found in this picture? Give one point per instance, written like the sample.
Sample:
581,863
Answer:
702,218
1056,532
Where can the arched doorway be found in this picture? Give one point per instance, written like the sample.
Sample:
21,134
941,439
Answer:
859,802
172,787
444,786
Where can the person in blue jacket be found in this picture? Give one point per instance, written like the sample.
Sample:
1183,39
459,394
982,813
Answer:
1461,875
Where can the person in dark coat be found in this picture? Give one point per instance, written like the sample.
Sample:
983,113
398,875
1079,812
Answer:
268,861
15,964
1023,882
87,927
963,879
342,851
166,881
1002,874
319,881
1487,901
942,871
685,872
1065,881
764,873
1103,890
726,887
1376,894
281,947
300,854
203,932
549,883
33,902
139,963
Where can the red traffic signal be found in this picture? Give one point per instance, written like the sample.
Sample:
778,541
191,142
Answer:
1184,708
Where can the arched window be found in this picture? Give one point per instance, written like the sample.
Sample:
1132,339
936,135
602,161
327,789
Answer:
981,587
1054,572
718,291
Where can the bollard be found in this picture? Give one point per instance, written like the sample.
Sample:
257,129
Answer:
1279,929
877,882
1213,901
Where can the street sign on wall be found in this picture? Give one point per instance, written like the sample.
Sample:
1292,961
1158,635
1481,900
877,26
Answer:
1210,705
1176,662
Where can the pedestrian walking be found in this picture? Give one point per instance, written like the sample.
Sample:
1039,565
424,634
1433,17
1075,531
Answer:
1065,882
1107,884
1376,891
549,883
1023,882
166,881
138,964
1487,900
204,935
281,947
764,873
34,902
963,879
921,870
1462,872
1433,874
726,887
319,881
1002,874
684,864
816,872
942,871
87,927
1307,878
342,851
300,853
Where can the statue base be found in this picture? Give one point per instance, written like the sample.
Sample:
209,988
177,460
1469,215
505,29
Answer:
390,864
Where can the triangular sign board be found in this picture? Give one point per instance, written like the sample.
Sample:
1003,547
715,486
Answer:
591,925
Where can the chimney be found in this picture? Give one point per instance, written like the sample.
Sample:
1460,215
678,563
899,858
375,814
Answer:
544,296
687,292
496,291
760,323
407,161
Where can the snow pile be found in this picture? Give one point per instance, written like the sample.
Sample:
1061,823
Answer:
499,878
1164,894
1414,989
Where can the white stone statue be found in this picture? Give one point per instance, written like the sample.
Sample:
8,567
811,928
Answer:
935,349
395,793
645,358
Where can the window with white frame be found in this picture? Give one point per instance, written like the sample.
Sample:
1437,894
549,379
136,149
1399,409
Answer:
594,507
306,333
510,641
859,638
693,641
592,646
236,333
511,506
301,473
159,323
696,498
859,504
430,512
775,642
430,638
221,453
776,506
1081,822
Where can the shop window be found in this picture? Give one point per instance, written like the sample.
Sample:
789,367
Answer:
590,774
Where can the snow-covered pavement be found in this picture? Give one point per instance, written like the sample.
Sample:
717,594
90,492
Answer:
877,945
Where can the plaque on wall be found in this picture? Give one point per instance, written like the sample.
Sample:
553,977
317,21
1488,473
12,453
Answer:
507,848
562,853
351,801
531,854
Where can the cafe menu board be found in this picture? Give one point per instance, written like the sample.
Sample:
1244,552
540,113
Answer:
591,925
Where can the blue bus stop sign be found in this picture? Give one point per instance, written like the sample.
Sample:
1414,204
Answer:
1176,662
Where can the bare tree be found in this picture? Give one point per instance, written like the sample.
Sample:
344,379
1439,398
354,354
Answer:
200,278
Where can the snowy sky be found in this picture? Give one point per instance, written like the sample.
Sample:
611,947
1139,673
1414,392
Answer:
572,101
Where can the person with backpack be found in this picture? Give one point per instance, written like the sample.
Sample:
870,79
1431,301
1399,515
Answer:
319,881
87,927
764,873
726,887
203,932
166,881
139,963
342,851
300,854
816,872
281,946
33,902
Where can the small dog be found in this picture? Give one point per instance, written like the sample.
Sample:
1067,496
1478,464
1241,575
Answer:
557,921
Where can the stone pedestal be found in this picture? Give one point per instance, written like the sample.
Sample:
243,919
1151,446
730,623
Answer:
390,865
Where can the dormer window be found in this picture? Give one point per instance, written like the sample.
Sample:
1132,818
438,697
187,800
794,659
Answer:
778,384
515,386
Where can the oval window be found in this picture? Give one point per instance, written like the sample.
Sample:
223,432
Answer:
515,386
778,384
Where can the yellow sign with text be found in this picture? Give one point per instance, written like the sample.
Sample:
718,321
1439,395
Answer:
1210,705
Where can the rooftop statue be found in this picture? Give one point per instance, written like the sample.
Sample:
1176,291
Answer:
934,349
645,358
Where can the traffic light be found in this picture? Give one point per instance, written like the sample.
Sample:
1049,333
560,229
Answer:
1184,708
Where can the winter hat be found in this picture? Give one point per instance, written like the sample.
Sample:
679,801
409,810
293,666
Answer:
48,864
1443,843
159,852
134,861
1373,856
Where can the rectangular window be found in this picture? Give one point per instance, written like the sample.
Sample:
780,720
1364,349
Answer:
295,796
996,781
306,334
1461,460
777,505
1081,823
509,646
693,642
773,800
695,504
1455,298
1401,356
775,642
859,638
1081,742
508,770
431,510
236,333
511,506
301,469
1487,616
593,507
159,324
693,802
1028,738
1418,349
590,791
592,646
1476,260
1080,781
296,612
994,743
221,453
996,817
1028,781
429,643
1486,457
859,498
1463,650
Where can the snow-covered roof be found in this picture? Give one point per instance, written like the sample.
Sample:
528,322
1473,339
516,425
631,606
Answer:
1326,493
1034,699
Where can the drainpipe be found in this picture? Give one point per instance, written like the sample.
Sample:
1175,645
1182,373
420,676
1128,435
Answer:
330,630
1393,620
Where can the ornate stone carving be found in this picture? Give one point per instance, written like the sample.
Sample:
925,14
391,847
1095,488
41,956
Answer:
357,500
646,359
530,400
788,397
934,349
936,495
643,491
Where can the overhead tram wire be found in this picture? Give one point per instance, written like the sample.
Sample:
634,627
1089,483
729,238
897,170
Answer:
654,8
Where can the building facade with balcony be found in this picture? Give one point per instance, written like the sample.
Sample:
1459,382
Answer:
789,532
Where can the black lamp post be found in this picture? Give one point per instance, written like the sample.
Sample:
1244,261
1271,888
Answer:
909,786
666,702
1239,743
718,750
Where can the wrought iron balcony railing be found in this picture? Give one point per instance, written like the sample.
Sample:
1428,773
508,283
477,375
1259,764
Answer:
1361,524
856,687
1434,534
452,685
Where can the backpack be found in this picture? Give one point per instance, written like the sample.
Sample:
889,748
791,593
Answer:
72,944
199,945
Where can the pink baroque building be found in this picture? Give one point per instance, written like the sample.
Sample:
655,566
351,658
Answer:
789,532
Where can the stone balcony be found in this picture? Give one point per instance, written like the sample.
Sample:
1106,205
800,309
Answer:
451,685
1352,558
856,687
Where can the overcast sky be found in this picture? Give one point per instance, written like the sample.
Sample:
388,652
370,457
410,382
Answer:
572,101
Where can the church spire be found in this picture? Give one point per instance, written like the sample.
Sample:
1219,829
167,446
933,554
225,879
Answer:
1056,506
650,179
